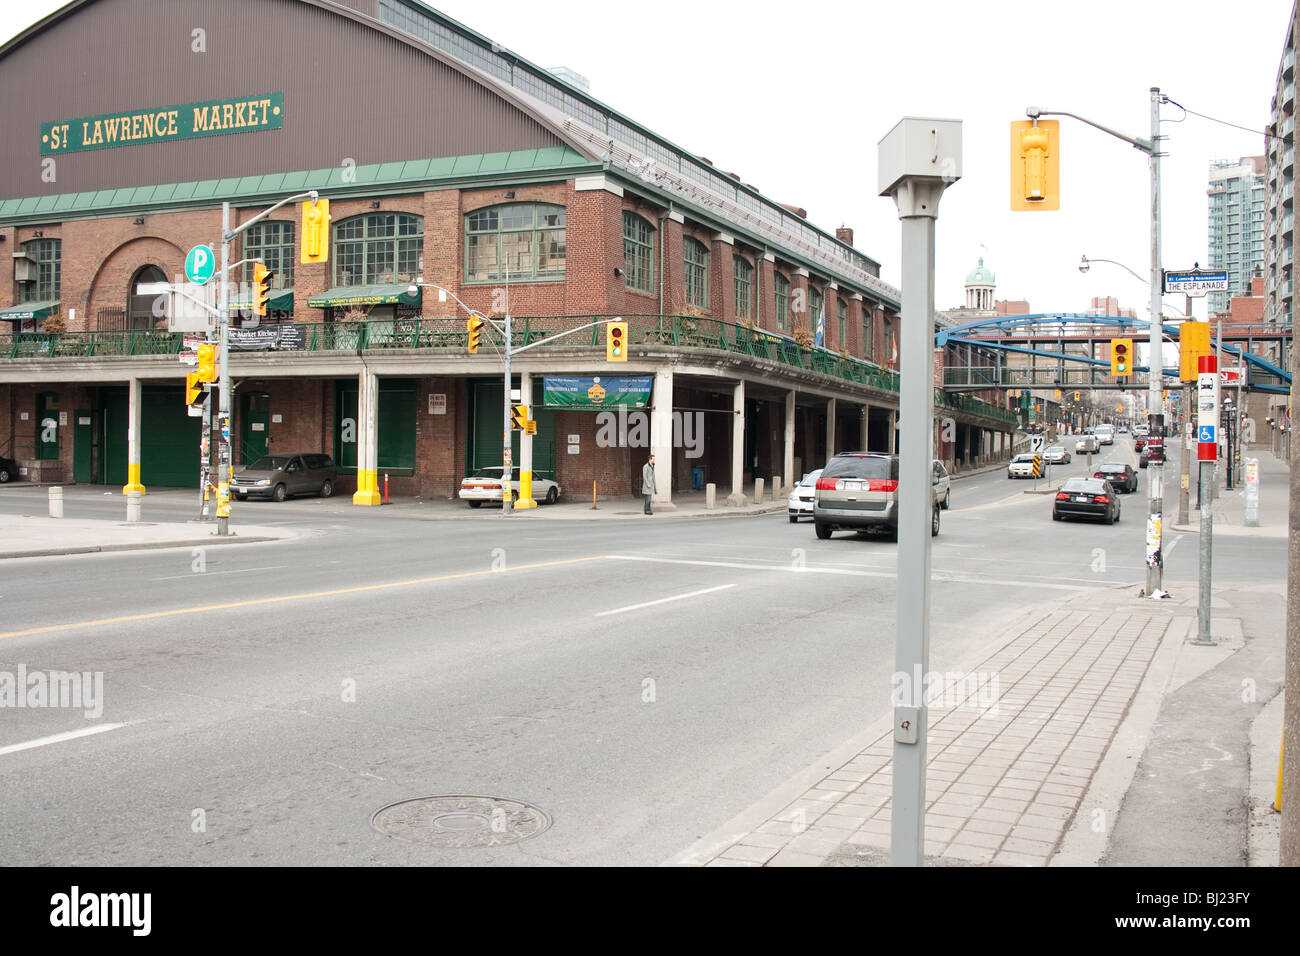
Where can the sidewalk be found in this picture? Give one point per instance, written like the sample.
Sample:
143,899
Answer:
1229,508
31,537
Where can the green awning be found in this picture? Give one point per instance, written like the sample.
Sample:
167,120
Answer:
29,310
280,300
349,295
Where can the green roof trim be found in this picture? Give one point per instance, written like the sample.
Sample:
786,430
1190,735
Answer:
401,174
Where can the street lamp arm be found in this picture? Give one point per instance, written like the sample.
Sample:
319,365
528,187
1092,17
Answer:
313,195
1144,145
560,335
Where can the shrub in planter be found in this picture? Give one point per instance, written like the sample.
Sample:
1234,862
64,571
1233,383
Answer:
54,325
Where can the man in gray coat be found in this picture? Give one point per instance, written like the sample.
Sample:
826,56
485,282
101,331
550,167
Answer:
648,482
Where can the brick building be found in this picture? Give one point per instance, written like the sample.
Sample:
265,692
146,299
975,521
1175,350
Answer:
511,189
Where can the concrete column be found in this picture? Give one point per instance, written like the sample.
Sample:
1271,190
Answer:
133,438
788,459
893,431
367,492
661,438
830,428
737,497
866,428
525,500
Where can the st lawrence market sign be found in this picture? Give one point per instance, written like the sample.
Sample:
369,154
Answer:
243,114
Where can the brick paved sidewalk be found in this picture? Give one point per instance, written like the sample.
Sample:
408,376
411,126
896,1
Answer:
1005,780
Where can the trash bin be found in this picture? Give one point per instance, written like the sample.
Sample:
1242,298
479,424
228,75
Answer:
697,479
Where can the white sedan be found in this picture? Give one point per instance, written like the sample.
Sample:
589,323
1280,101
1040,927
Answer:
1024,466
800,502
485,485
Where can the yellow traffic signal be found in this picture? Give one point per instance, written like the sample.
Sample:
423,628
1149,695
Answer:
1035,165
207,363
193,389
474,326
1057,393
261,288
1119,408
315,241
1121,357
616,342
519,417
1077,396
1193,342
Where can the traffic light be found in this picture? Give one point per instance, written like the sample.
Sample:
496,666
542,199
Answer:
519,417
261,288
193,389
315,242
1077,396
1121,357
207,371
474,326
616,342
1035,165
1119,408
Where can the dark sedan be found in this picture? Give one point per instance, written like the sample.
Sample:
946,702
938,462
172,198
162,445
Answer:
8,470
1123,477
1086,498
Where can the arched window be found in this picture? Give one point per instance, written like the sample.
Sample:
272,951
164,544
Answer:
272,242
782,312
842,323
378,248
140,307
744,287
42,282
697,272
519,241
638,253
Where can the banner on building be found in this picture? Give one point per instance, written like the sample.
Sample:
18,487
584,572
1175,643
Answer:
597,391
278,337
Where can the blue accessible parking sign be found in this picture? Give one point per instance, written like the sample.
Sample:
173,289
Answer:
1206,435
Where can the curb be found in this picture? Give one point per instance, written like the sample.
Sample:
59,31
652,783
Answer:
144,546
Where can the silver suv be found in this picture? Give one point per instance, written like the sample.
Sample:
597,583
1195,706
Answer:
858,491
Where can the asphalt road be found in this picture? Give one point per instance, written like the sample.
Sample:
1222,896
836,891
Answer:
261,702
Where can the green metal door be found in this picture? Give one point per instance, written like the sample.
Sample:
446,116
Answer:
47,425
83,448
169,438
396,442
486,443
345,426
112,438
254,418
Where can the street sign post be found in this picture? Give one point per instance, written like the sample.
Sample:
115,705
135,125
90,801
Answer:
200,263
1196,282
1207,451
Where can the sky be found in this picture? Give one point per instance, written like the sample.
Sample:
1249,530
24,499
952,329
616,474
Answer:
796,98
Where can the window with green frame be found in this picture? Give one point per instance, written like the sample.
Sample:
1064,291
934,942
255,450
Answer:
842,325
525,240
378,249
868,332
43,286
782,311
814,310
696,255
272,242
638,253
744,286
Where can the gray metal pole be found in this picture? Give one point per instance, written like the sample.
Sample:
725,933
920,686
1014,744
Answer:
506,503
912,652
1205,563
1155,361
1185,469
223,357
1218,425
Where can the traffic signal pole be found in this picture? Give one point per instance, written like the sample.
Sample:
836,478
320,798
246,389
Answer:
1155,367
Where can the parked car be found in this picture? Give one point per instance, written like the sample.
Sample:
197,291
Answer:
485,485
942,485
1024,466
800,502
279,476
1105,434
1087,444
1121,476
1086,498
858,491
8,470
1057,455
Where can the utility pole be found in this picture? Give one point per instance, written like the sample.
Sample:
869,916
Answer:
1185,458
1155,366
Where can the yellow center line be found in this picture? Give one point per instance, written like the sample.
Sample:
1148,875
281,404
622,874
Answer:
294,597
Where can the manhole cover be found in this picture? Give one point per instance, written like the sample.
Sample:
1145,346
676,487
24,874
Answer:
460,821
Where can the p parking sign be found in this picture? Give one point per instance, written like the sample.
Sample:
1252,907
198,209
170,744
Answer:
200,263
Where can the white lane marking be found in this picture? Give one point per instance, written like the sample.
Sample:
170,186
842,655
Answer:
943,576
1170,550
209,574
676,597
59,738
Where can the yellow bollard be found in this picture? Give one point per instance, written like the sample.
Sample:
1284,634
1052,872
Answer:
1277,804
593,497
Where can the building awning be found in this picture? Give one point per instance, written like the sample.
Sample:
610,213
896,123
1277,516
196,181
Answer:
345,296
280,300
29,310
